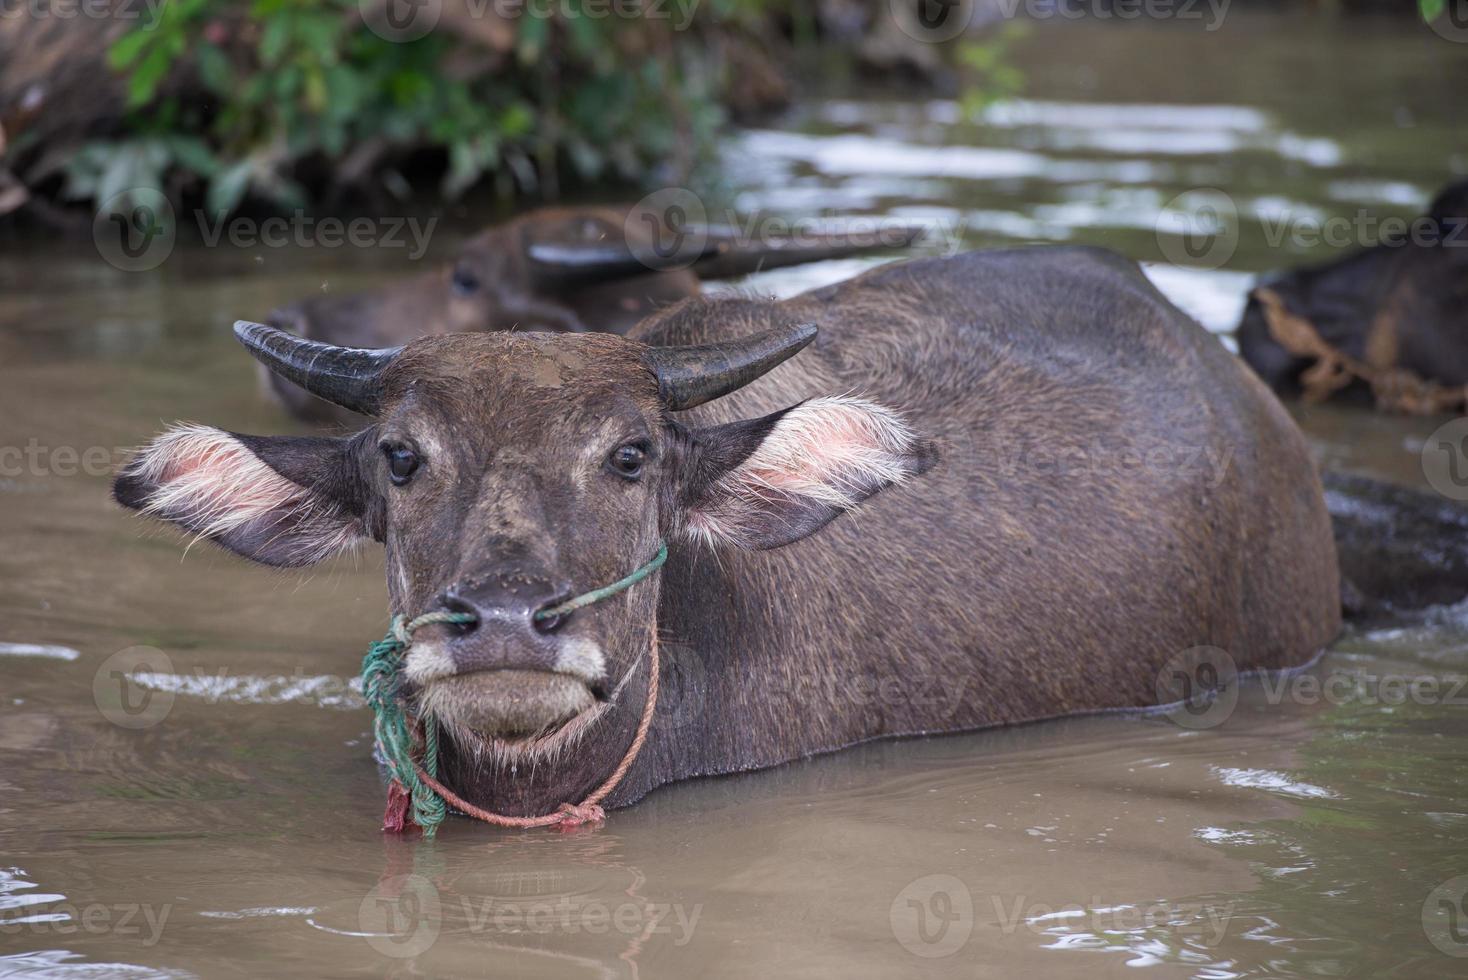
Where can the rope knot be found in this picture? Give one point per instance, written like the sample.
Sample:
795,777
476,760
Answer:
574,815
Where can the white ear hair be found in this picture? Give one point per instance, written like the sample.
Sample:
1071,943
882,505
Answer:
212,484
831,452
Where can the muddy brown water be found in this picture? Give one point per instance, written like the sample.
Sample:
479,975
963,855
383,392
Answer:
185,782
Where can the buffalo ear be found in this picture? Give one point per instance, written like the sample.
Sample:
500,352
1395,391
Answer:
767,482
279,500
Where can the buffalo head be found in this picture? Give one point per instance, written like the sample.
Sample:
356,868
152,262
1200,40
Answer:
506,472
555,269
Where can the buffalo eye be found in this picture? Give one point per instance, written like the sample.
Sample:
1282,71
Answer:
402,463
626,461
464,281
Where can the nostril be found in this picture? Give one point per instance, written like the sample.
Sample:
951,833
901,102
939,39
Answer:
547,622
454,604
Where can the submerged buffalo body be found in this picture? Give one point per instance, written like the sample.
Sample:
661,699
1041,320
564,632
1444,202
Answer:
1061,482
558,269
1399,309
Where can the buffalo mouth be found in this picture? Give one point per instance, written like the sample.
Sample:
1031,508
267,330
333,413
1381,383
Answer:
511,706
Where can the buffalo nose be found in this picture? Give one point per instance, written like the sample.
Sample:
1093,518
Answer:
507,608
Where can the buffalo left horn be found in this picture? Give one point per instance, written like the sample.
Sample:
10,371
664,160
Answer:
689,376
554,264
345,376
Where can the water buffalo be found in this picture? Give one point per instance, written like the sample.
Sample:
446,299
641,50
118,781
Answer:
1392,316
1062,480
561,269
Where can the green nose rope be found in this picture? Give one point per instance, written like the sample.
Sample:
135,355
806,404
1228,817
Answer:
392,727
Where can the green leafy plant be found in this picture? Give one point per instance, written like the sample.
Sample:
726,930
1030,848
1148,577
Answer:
988,75
283,99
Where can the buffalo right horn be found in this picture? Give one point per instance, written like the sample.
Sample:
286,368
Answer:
690,376
346,376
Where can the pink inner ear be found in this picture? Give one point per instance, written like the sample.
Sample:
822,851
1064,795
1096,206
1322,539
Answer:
209,482
207,477
832,449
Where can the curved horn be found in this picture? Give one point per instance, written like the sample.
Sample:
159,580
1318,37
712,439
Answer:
689,376
575,263
345,376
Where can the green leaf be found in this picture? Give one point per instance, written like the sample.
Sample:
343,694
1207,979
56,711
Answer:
126,49
273,41
215,71
228,188
193,154
143,84
1431,9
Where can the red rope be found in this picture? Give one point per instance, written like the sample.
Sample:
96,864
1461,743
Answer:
567,815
